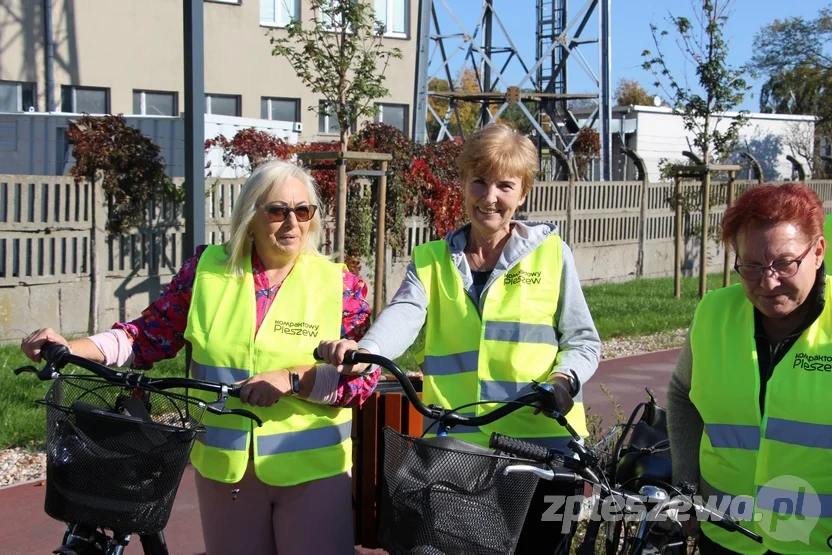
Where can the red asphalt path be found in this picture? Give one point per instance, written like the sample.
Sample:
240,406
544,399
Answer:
25,529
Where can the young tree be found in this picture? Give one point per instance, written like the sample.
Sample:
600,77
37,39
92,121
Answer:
338,55
721,89
721,86
341,56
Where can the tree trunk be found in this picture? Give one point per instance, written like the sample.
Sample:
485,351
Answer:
341,196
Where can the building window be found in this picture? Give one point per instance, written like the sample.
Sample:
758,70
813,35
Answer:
394,14
281,109
327,120
394,115
279,13
155,103
92,100
222,104
17,97
237,2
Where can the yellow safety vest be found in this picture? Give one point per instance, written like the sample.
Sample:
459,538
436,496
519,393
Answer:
495,356
775,466
299,441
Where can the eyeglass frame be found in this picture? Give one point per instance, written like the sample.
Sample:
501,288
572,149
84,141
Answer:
286,210
770,267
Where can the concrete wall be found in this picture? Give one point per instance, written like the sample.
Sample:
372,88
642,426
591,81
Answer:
45,226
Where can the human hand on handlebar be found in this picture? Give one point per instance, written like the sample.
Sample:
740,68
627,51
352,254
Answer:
562,397
264,390
332,352
34,342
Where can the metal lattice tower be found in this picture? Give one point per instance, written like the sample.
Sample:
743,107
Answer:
450,47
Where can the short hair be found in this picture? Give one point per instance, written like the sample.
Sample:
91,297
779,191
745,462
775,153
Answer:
772,204
498,148
264,180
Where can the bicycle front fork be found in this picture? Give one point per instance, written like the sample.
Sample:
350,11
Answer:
87,540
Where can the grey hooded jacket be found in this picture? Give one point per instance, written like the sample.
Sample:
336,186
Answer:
398,325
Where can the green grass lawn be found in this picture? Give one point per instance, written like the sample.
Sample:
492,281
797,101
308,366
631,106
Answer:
622,309
642,307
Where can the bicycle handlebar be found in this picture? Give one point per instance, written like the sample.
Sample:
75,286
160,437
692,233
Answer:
541,392
579,468
57,356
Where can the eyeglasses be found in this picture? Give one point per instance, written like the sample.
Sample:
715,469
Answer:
782,268
279,212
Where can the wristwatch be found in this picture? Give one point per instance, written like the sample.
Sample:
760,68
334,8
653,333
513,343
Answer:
574,382
294,378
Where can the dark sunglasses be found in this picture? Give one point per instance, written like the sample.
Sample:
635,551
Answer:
279,212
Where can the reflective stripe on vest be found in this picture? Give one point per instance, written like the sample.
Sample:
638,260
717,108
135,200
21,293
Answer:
299,441
495,356
776,462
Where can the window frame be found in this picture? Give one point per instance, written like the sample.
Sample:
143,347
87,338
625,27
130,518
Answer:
279,4
143,105
379,116
328,131
19,85
295,101
394,34
238,97
75,88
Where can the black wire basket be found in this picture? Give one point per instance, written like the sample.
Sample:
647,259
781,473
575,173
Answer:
447,496
111,468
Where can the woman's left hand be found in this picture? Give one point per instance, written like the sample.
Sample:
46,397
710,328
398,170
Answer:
264,390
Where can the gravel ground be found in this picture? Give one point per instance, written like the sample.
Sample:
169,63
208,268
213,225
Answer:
18,465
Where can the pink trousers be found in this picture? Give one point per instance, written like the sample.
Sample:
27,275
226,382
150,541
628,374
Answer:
307,519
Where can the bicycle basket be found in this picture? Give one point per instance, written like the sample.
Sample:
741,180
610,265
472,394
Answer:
114,470
445,495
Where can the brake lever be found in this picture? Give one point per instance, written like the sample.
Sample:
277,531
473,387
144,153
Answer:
212,407
48,372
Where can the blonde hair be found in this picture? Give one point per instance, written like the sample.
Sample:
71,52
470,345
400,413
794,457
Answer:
264,180
499,149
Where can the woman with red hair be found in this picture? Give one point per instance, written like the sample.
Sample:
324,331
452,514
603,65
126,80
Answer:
749,403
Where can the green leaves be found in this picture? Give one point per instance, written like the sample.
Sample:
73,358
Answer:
340,55
720,87
131,168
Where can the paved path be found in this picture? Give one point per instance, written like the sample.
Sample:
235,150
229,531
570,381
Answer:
26,529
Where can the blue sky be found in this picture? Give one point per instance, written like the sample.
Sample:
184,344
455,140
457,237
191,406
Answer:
631,21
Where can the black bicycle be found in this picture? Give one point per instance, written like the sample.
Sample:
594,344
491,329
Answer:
116,447
443,495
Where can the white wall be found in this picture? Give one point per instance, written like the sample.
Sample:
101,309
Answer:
36,144
661,134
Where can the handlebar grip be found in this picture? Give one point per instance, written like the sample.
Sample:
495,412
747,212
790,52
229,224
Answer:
349,356
234,390
523,448
52,351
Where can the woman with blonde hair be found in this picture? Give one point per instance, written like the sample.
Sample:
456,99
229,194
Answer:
502,306
253,310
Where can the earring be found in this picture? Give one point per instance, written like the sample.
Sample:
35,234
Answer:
251,237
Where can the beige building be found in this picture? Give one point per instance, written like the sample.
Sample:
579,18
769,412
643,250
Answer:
126,56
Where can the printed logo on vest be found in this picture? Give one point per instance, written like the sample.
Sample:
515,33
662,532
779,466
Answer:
813,363
520,276
791,509
296,328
